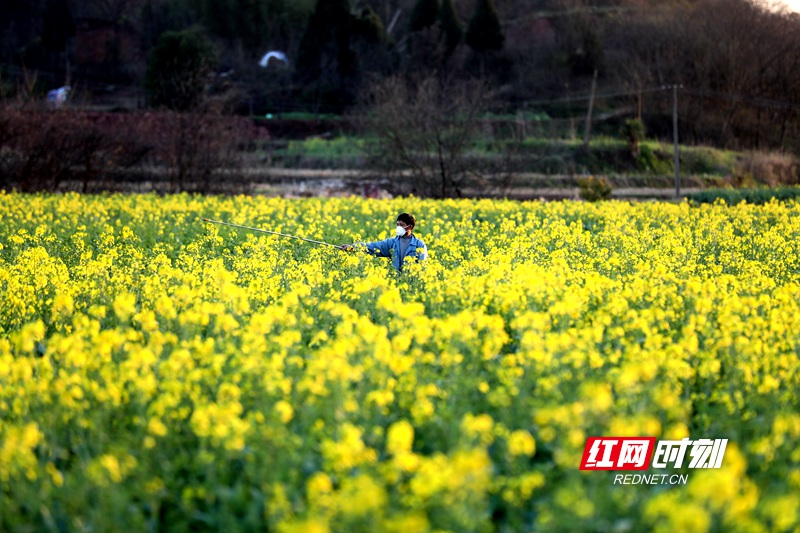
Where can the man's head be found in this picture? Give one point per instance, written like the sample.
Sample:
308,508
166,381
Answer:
406,222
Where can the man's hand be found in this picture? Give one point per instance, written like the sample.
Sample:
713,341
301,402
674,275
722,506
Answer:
347,247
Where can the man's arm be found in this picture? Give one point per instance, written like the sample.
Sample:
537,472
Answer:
379,248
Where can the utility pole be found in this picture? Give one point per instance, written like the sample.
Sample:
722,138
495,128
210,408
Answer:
675,139
569,112
588,126
639,105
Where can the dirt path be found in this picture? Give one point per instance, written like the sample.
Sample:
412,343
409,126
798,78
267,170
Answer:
307,182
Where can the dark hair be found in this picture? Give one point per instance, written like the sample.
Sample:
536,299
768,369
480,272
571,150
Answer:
407,219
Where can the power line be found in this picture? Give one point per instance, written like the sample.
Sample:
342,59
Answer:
752,100
704,93
587,97
597,10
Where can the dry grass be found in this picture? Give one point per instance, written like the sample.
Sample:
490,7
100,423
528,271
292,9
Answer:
766,168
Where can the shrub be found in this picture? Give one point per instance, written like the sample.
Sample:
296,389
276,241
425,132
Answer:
45,150
752,196
484,32
594,188
421,130
654,161
198,151
41,149
706,160
178,69
633,130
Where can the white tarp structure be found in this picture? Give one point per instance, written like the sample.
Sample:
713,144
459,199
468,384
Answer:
276,54
57,97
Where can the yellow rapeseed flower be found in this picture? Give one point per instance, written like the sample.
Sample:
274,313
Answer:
399,437
521,442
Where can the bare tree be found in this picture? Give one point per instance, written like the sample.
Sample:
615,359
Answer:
422,131
198,150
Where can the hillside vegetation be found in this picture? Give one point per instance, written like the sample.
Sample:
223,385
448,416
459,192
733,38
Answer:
735,60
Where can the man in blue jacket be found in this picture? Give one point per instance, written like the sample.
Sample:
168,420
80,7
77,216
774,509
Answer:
399,248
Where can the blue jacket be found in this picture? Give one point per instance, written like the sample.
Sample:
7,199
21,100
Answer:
391,248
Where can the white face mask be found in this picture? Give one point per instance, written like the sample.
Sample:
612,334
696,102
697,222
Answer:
400,231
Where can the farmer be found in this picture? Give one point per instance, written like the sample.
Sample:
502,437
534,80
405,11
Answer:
399,248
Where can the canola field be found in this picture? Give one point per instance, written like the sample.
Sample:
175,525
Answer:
162,374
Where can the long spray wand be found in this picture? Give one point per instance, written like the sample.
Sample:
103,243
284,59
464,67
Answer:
268,231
